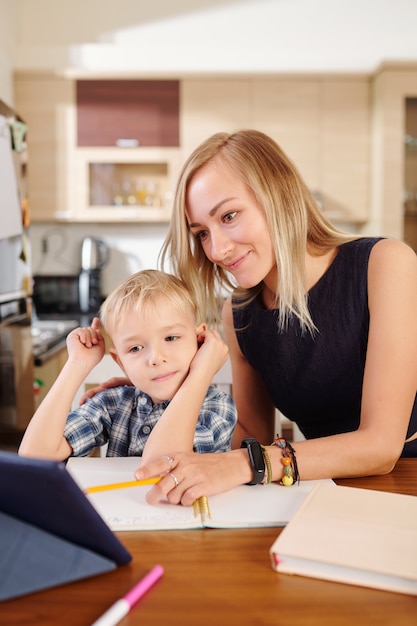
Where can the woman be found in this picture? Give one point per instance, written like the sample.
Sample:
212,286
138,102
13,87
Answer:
321,324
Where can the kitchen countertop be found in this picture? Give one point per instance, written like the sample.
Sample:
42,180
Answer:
49,335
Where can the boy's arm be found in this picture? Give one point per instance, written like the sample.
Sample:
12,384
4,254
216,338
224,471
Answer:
175,429
44,436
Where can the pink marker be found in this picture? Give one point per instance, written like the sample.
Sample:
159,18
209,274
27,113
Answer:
122,607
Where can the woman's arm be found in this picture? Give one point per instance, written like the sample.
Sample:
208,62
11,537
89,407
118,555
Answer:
44,436
389,385
390,377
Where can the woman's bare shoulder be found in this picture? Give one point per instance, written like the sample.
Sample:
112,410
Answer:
393,254
393,248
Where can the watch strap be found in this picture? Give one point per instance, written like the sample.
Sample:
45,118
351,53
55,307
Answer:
256,459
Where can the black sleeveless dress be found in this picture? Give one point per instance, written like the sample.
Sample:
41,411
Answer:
317,381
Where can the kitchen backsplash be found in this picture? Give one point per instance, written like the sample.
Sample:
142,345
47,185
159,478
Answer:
56,248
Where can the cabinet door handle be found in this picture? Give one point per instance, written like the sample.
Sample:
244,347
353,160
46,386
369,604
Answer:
127,143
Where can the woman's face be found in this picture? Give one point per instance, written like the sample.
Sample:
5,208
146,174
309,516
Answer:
224,216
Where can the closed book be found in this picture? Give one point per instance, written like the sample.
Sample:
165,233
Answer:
355,536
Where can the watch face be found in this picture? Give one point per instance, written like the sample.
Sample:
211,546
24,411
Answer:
256,459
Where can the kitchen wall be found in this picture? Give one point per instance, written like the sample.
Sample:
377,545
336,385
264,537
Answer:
132,247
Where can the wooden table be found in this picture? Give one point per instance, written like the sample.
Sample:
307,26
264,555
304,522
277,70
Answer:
219,577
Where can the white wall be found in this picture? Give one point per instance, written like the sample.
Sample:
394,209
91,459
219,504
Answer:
132,247
184,36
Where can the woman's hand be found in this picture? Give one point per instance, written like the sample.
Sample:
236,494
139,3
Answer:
196,474
116,381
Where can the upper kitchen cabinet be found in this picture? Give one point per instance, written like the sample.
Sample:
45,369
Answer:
46,103
103,151
289,111
210,106
394,90
127,113
345,122
323,124
127,140
112,150
125,160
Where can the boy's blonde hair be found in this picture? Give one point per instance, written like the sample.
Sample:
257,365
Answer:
294,220
145,289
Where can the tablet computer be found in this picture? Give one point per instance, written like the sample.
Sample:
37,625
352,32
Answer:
44,494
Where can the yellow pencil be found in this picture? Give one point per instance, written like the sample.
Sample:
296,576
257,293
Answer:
131,483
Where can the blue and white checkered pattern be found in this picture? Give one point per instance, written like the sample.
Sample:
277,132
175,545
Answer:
124,417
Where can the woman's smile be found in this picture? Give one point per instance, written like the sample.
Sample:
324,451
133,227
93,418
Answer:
237,263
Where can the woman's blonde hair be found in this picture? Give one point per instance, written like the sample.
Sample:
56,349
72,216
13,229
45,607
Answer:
145,289
294,220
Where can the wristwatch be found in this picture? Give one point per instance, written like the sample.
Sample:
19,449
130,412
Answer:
256,459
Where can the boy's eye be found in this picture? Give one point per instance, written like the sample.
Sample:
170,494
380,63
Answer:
171,338
136,349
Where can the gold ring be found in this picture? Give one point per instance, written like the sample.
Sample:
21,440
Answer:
174,478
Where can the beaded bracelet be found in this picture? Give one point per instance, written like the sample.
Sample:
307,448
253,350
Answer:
268,467
289,462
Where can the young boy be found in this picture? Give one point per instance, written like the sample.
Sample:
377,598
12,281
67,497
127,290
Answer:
170,361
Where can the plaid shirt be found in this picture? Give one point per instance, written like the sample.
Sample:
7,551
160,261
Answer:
125,416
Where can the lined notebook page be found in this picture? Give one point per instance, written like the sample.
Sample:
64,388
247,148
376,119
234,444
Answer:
126,509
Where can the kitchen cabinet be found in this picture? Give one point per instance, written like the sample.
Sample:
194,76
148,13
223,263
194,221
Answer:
289,111
130,112
79,183
209,106
127,135
46,103
47,373
322,123
122,184
345,126
392,84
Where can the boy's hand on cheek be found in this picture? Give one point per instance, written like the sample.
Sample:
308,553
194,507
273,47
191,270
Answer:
212,352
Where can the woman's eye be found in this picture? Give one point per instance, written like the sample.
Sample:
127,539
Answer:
228,217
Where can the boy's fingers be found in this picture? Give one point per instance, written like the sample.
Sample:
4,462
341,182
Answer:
95,323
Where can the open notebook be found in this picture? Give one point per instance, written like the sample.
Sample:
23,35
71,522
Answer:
126,509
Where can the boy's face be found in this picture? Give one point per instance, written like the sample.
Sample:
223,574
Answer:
154,347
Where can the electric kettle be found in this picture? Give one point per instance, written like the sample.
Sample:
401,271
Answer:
94,254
